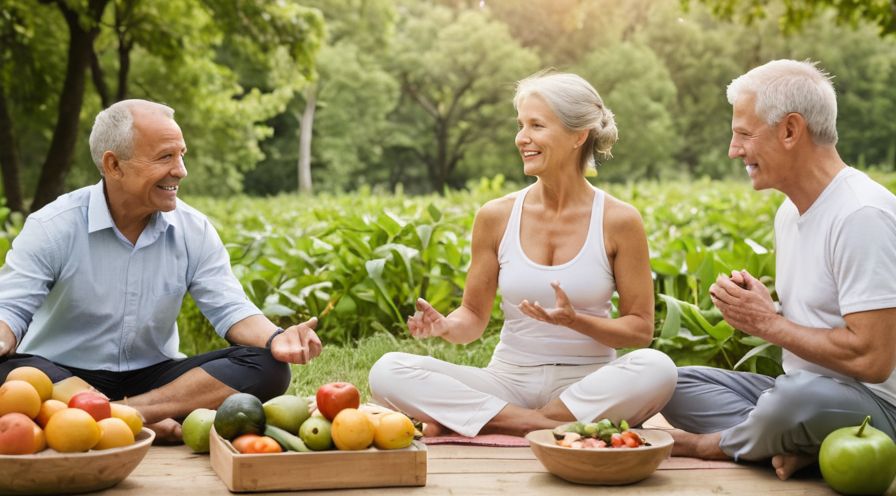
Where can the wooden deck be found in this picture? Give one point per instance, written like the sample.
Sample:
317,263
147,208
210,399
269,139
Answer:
475,470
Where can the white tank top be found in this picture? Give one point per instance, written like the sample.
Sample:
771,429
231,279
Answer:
587,279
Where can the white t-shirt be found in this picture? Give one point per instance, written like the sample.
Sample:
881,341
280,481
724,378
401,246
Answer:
838,258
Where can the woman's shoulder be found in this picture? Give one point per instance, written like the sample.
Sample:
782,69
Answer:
618,213
498,209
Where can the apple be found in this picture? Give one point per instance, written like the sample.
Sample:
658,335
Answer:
316,433
335,397
858,459
196,429
92,402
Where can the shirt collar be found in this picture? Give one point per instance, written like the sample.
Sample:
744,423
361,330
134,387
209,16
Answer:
99,217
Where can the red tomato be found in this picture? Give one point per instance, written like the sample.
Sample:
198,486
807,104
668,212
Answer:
334,397
632,439
616,440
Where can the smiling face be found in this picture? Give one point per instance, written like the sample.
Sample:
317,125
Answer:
545,144
149,179
756,143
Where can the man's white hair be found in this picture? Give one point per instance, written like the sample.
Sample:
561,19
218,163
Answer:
113,129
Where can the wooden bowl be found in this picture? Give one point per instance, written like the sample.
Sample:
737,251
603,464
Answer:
52,472
605,466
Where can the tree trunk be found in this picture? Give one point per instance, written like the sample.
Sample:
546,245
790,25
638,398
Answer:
62,146
9,158
305,140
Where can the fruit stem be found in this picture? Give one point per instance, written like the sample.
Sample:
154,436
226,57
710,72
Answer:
862,427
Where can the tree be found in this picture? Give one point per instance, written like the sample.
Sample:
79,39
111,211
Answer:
456,71
148,45
637,87
797,12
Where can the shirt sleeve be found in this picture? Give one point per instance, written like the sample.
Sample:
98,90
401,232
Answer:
217,292
864,261
27,276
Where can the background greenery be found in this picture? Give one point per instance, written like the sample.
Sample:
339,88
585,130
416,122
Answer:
413,93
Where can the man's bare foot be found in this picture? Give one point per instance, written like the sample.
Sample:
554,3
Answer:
167,431
786,464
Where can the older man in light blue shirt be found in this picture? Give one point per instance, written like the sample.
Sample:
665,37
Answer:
94,282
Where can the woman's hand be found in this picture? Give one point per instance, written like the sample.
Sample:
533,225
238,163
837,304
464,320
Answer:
564,314
427,321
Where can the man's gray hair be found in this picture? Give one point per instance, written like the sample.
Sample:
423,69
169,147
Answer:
785,86
113,129
578,106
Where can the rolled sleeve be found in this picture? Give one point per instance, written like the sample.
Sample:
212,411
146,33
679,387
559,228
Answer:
217,292
26,277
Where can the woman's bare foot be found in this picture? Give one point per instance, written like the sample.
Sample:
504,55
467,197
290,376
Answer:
786,464
434,429
167,431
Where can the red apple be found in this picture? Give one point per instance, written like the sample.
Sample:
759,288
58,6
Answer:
92,402
336,396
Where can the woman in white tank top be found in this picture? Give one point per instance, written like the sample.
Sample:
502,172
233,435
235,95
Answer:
557,250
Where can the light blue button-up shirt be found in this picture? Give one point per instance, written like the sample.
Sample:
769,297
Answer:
76,291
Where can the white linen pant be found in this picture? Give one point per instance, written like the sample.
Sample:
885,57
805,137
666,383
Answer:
463,399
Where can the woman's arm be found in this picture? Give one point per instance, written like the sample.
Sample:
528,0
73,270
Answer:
467,323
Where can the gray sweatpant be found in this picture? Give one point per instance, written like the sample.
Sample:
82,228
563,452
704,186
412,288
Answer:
760,416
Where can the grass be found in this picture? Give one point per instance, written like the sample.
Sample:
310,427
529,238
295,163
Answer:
352,363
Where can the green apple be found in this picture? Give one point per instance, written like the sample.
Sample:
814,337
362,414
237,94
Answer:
858,460
316,433
287,412
196,429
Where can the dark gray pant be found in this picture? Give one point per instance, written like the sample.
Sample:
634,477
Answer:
761,416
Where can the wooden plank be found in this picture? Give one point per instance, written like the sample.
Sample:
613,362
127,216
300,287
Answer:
174,471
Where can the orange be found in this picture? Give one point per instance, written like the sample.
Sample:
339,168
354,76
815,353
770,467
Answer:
395,431
34,376
47,409
114,433
19,396
130,415
72,430
40,439
352,430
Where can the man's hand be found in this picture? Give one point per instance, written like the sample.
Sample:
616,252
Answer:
427,321
564,314
7,340
297,344
744,301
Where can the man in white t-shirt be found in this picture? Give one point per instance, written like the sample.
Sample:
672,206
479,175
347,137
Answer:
835,237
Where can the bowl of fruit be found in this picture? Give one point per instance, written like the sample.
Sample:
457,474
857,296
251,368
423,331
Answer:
64,437
600,452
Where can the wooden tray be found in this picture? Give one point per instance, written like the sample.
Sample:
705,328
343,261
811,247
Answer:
294,471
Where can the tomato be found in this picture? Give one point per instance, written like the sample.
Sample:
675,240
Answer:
253,443
616,440
631,439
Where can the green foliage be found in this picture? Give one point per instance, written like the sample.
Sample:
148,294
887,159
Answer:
796,13
359,261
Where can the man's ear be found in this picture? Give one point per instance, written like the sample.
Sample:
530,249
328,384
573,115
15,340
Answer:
792,130
111,166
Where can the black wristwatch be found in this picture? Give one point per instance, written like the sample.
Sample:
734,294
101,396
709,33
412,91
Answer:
276,333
